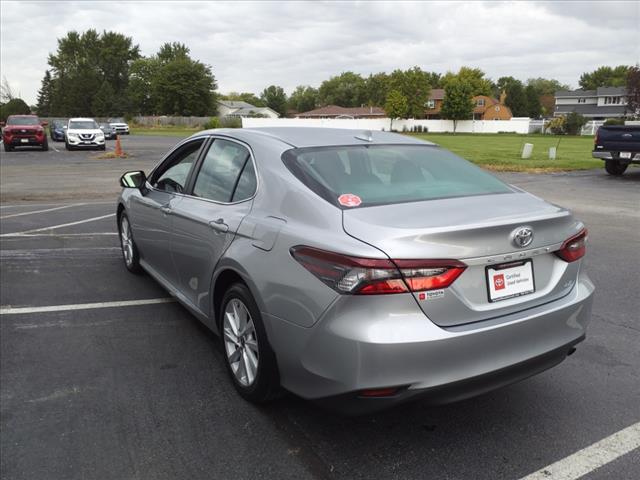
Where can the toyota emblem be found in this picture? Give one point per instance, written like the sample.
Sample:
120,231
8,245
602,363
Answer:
522,237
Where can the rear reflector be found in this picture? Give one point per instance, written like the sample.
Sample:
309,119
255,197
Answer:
372,276
574,248
379,392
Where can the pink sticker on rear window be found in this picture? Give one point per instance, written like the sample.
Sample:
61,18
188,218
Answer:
349,200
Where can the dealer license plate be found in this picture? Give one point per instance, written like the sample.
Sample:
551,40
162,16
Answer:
625,154
24,140
510,280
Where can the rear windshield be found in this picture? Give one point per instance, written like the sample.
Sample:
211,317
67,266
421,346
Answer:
386,174
83,125
23,121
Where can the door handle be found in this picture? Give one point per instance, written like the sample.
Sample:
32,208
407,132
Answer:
219,225
165,209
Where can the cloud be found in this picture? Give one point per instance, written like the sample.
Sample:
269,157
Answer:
251,45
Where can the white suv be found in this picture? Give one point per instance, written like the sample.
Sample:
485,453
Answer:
83,133
119,125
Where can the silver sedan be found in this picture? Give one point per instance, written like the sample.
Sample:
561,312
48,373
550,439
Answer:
358,269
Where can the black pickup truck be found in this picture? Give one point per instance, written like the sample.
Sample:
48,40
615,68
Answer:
618,146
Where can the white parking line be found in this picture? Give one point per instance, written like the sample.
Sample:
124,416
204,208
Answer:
592,457
18,236
41,211
35,230
83,306
20,205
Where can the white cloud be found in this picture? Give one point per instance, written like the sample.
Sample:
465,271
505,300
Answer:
252,45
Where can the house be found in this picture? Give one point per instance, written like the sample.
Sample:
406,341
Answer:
486,108
434,104
239,109
335,111
599,104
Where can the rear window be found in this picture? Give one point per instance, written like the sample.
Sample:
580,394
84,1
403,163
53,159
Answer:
386,174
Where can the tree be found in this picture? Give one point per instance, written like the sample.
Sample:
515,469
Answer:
458,101
377,89
275,98
474,77
633,91
172,51
396,106
15,106
516,99
303,98
604,77
143,71
6,92
104,102
346,90
45,93
573,123
534,107
414,85
546,86
184,86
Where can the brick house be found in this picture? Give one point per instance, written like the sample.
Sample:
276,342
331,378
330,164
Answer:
486,108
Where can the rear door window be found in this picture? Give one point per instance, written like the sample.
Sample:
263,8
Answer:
385,174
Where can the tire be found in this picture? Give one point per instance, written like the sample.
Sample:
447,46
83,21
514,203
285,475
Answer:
7,148
615,167
130,253
102,147
250,348
67,146
45,145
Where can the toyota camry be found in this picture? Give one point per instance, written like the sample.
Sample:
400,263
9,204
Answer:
358,269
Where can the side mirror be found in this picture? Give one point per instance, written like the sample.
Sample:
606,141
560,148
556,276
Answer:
135,179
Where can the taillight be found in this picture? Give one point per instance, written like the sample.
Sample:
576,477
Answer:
370,276
574,248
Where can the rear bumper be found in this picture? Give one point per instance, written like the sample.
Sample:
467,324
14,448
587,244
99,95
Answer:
24,141
369,343
635,157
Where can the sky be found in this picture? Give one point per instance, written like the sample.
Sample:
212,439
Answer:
251,45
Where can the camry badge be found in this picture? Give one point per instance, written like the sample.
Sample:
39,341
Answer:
522,237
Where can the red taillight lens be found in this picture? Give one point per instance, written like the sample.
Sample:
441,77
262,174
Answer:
574,248
369,276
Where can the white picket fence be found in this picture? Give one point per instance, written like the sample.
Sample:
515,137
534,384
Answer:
515,125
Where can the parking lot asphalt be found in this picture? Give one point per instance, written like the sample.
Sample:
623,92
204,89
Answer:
139,391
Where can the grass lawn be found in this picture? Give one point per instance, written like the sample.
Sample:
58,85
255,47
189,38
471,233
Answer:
502,152
164,131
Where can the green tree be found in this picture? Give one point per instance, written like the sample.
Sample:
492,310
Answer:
184,86
516,99
303,98
633,91
104,102
414,85
275,98
573,123
346,90
396,106
143,71
534,107
45,93
546,86
474,77
458,101
604,77
377,88
172,51
15,106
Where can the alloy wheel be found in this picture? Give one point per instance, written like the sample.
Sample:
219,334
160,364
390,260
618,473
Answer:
240,342
127,241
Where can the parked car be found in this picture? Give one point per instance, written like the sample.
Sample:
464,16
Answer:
618,146
24,131
121,127
84,133
57,130
358,269
108,130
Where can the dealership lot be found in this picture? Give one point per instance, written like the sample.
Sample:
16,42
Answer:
138,389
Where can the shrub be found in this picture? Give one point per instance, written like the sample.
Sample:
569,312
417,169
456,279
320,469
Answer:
556,126
614,121
573,123
230,122
214,122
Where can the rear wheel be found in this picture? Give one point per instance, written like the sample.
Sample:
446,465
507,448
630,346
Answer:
615,167
250,362
129,249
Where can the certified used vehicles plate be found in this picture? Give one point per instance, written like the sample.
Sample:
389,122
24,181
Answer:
510,280
24,140
625,154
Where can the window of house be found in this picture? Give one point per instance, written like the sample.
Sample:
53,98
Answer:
611,100
431,104
497,108
480,102
582,100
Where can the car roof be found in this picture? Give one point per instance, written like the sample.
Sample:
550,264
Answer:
82,119
316,137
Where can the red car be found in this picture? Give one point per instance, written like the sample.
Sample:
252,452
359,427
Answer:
24,131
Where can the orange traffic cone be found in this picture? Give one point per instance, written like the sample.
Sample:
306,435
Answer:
118,151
